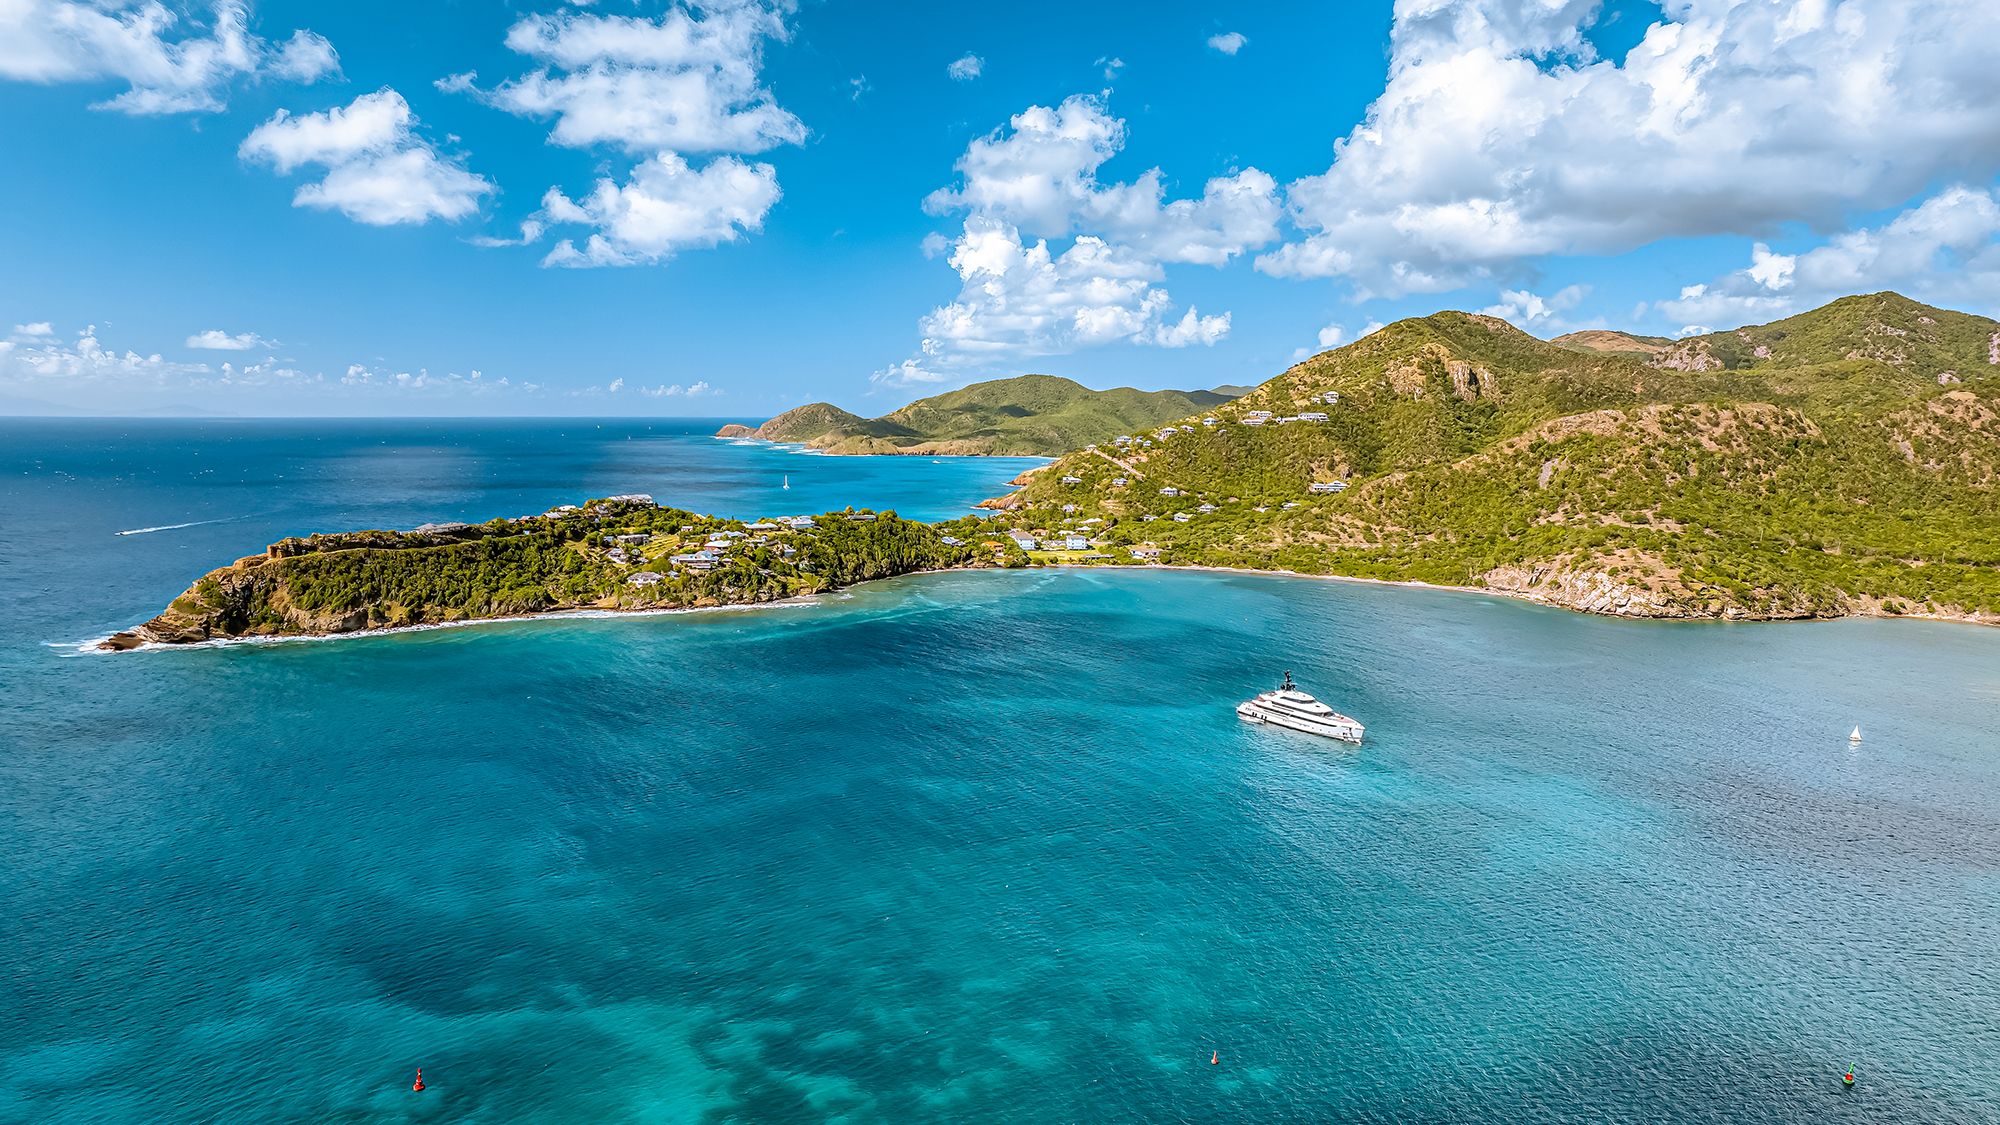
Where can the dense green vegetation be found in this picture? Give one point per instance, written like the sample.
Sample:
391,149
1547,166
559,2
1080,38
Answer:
1832,473
583,557
1031,415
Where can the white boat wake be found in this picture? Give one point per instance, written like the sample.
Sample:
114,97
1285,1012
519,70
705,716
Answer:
176,526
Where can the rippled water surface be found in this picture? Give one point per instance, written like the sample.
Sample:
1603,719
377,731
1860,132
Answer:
972,847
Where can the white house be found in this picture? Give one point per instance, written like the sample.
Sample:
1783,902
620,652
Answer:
644,578
1327,486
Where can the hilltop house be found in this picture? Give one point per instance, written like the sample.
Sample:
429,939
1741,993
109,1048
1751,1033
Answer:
1327,486
645,578
800,523
1148,554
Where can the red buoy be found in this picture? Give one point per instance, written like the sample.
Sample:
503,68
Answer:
418,1085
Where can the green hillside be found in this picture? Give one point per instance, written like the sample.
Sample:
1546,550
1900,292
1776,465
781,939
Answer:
1034,415
1850,467
1616,343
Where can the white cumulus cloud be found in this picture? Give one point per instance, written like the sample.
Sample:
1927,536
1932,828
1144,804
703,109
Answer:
1500,136
1035,182
1945,249
676,390
216,340
378,170
170,62
1040,174
1229,42
1522,308
966,67
666,206
685,82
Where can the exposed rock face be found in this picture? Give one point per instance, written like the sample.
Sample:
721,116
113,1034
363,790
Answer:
1692,355
736,429
1588,590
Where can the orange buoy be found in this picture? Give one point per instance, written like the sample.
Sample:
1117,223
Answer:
1215,1058
418,1085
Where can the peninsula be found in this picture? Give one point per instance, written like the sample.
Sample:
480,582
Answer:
1843,461
1026,416
618,553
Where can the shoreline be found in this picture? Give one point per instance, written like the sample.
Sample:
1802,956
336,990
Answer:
811,450
1530,599
96,645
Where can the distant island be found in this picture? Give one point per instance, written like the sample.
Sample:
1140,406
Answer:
1029,415
1843,461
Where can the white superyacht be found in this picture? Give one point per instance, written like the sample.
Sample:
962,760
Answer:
1293,709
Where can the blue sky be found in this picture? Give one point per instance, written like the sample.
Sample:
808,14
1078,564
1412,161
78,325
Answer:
727,210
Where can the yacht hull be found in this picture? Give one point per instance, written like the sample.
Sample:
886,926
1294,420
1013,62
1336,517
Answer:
1344,731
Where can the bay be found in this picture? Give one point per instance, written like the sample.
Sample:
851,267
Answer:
969,847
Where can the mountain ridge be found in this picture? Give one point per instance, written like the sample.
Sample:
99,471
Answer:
1031,415
1851,467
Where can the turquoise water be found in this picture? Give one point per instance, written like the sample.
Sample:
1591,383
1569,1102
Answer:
970,847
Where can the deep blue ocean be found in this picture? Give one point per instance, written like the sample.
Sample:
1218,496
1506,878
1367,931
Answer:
984,847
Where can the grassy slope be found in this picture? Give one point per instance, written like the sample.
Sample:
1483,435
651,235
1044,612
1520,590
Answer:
1031,414
1819,478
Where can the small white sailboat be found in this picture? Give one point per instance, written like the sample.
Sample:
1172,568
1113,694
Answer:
788,482
1856,736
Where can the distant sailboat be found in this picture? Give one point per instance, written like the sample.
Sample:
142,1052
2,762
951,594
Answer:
788,482
1856,736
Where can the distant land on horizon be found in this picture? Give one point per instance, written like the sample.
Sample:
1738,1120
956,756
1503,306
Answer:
1027,415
